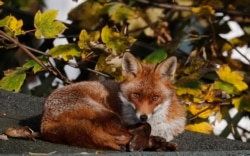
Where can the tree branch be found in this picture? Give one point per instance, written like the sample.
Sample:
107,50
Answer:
52,70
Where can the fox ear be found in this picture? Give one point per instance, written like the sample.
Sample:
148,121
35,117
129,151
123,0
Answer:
166,69
131,67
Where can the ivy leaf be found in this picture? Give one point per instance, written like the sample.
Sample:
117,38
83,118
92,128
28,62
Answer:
242,103
67,51
13,79
156,56
202,127
46,26
232,77
12,25
30,63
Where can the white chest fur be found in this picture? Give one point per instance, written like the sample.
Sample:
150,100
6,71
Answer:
159,124
164,128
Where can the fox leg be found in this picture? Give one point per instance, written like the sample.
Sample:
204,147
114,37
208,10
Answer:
101,130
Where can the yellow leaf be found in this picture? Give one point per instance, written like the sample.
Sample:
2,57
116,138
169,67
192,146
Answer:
12,25
202,110
1,2
232,77
235,42
203,127
203,10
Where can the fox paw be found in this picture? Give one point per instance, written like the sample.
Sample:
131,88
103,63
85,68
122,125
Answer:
140,138
157,143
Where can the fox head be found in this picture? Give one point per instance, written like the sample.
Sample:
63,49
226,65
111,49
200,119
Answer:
146,89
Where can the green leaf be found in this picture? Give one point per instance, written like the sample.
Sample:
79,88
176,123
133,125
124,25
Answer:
156,56
227,87
34,65
46,25
67,51
13,79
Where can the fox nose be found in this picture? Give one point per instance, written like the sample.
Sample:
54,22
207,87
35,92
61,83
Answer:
143,117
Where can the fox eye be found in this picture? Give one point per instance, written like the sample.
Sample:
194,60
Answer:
136,95
155,98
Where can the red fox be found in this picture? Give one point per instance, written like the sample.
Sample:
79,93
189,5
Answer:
106,114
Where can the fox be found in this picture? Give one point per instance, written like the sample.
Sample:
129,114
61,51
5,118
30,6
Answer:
141,112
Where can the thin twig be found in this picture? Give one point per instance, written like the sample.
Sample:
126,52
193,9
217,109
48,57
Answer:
24,49
52,70
236,49
189,8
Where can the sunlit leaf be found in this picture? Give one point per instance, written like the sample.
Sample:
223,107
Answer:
232,77
46,25
1,2
67,51
84,38
13,79
156,56
34,65
203,127
12,25
242,103
115,40
202,110
203,10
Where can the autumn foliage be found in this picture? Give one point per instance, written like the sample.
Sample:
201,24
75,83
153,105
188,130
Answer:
208,80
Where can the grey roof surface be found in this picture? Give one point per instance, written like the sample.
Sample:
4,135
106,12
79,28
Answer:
18,110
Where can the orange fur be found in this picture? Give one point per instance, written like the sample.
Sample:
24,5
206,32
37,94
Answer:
99,114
